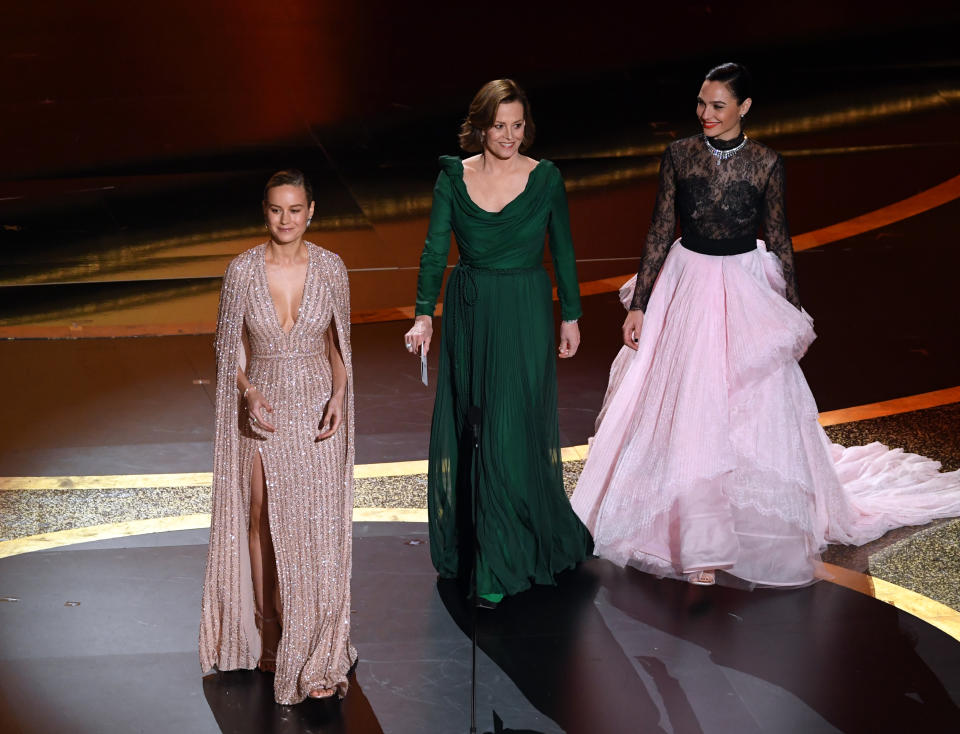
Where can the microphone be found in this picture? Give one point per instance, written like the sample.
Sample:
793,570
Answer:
474,417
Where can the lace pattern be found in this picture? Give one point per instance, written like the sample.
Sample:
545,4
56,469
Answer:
736,198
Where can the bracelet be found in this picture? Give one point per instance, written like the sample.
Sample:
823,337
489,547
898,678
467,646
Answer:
249,388
572,321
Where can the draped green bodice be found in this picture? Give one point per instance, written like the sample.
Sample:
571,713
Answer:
512,238
498,353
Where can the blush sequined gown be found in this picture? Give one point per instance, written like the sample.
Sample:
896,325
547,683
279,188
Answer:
309,483
708,453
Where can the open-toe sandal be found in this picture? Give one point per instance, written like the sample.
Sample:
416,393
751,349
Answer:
702,578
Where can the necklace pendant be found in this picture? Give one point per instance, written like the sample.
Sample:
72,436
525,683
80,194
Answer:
722,155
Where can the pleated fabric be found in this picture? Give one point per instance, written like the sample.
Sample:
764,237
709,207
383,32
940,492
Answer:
309,484
708,453
498,353
526,530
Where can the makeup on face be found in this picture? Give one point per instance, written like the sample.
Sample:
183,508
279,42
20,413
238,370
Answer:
287,212
718,111
504,137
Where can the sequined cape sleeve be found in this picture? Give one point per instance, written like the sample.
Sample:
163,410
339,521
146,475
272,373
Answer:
225,634
775,228
561,250
663,227
335,276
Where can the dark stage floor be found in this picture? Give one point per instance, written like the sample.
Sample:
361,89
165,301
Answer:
132,177
102,638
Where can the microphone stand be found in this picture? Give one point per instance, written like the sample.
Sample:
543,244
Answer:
474,417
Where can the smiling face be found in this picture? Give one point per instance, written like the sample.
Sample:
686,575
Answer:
286,212
503,138
718,111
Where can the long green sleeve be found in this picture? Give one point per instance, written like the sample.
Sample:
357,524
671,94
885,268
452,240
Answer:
561,249
498,352
436,249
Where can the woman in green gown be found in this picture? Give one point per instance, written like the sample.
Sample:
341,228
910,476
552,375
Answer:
497,354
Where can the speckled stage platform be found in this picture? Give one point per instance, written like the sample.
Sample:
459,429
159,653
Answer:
606,651
130,180
922,559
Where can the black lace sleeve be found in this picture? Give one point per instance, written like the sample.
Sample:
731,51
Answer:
775,228
663,227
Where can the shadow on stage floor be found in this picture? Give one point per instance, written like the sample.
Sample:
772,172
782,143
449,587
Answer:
242,701
609,648
605,651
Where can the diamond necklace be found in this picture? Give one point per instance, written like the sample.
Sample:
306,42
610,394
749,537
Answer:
722,155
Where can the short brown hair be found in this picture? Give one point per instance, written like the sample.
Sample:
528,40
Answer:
483,113
289,177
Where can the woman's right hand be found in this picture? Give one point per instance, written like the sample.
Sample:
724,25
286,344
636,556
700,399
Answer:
258,407
631,328
419,334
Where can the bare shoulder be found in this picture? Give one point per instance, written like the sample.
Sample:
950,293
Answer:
473,163
528,162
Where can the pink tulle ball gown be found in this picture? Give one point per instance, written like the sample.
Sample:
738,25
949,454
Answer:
708,454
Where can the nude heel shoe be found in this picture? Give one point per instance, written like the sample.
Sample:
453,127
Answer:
268,657
702,578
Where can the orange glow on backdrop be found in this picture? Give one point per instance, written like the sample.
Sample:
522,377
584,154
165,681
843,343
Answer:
110,83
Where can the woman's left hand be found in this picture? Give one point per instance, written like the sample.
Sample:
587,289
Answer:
569,339
332,418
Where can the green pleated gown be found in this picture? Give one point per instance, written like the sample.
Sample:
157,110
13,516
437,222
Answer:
497,351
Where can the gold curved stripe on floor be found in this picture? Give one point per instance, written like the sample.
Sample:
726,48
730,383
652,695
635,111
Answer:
931,198
921,401
910,403
107,481
46,541
60,538
911,206
926,200
199,479
929,610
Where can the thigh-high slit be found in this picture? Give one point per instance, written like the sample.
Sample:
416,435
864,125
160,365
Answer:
263,565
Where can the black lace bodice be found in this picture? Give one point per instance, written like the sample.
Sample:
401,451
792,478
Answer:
717,199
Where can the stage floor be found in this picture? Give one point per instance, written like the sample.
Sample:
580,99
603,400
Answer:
102,638
110,262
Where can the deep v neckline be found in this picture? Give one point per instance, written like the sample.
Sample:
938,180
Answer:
506,206
303,291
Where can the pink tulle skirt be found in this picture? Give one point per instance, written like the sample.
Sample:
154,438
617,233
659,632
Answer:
708,453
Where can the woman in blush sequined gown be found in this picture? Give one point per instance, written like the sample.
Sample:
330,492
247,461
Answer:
277,588
498,353
708,455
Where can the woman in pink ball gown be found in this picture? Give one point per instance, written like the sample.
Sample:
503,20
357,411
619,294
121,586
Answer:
708,455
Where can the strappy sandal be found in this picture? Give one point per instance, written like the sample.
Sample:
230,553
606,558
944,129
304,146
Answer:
702,578
322,693
268,657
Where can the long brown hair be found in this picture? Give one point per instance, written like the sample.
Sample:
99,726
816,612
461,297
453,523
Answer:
483,113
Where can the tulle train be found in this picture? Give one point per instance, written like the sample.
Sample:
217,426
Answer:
708,453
